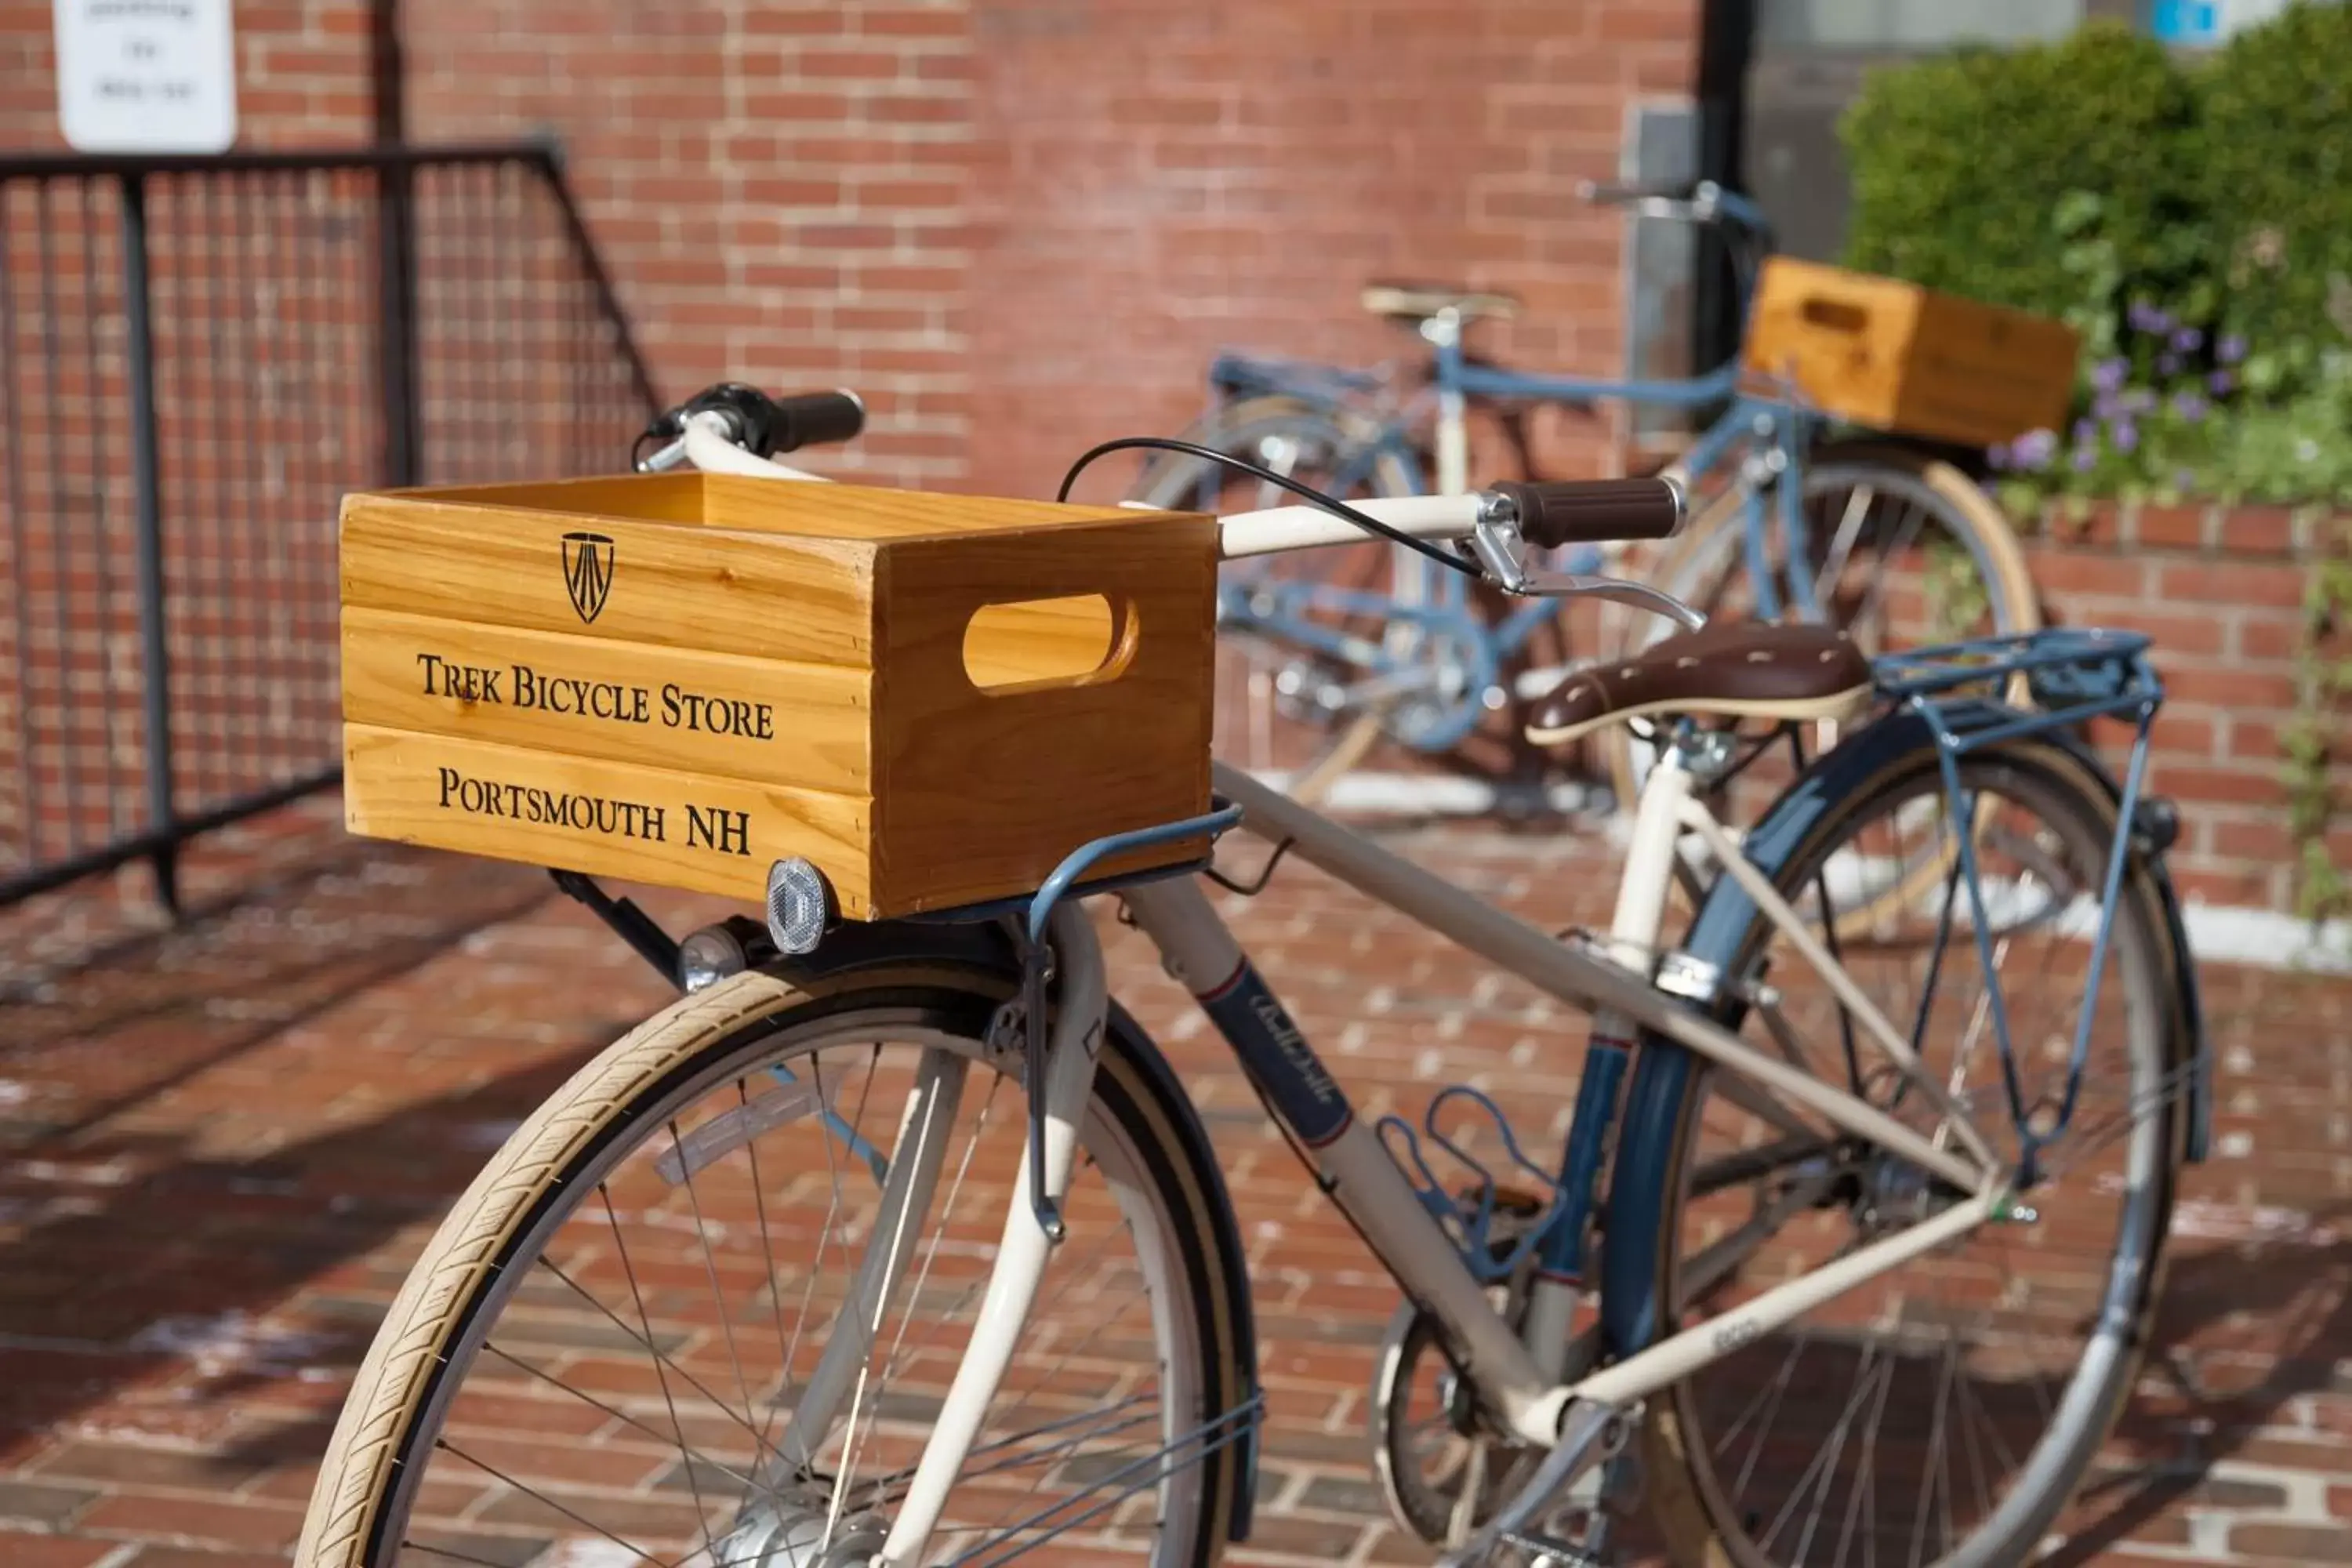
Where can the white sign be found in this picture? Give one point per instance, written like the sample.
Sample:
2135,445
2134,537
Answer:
146,76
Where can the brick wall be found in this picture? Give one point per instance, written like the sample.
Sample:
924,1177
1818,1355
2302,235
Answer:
781,191
1158,182
2221,590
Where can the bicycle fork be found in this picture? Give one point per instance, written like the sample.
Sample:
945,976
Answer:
911,1182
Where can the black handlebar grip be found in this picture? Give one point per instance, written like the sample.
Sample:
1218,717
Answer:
815,419
1594,512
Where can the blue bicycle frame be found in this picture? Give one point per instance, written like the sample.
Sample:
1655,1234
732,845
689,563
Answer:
1437,602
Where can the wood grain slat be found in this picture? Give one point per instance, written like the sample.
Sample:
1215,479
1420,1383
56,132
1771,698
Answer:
609,819
761,721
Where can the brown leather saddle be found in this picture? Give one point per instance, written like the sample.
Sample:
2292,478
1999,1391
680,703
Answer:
1741,669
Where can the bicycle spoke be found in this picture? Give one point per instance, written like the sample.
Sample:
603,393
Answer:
710,1266
688,1450
545,1501
637,1295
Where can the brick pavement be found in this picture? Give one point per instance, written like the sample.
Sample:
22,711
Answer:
224,1143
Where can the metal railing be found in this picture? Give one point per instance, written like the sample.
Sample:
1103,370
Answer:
198,358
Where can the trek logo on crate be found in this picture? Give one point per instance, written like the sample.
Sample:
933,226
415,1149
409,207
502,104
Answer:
588,572
527,685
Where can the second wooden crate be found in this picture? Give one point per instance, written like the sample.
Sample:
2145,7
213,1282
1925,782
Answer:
679,680
1895,357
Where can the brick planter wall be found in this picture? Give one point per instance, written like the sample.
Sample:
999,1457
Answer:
2220,589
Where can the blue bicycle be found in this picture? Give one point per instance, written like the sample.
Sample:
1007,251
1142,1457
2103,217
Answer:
1326,657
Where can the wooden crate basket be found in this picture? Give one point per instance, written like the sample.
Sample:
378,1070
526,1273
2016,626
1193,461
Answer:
679,679
1897,357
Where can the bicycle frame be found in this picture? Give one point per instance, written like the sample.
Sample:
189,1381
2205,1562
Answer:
1523,1376
1520,1379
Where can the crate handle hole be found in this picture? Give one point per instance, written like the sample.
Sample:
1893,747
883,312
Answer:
1028,644
1834,315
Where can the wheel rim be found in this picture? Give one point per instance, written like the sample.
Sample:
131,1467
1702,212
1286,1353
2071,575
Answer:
706,1408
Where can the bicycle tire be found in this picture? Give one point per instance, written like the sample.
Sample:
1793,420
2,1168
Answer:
1686,1499
462,1281
1243,429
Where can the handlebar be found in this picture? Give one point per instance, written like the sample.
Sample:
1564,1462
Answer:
1687,200
717,428
760,425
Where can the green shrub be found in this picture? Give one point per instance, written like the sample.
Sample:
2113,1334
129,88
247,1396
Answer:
1960,163
2277,163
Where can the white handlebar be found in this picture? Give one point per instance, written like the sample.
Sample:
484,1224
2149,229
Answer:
1268,532
1282,528
707,448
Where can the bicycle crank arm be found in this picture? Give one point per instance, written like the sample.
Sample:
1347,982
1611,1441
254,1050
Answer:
1590,1433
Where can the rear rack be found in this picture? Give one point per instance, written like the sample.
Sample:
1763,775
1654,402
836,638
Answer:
1965,692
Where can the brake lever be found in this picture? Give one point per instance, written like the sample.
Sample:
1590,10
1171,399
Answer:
1495,541
1619,590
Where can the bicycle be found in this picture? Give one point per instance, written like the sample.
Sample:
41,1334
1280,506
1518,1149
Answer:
1762,1165
1373,643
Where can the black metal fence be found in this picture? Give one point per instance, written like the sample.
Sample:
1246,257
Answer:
198,358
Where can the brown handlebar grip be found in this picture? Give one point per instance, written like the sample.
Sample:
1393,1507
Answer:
1594,512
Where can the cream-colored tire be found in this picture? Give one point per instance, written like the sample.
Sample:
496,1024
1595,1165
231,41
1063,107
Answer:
1140,1147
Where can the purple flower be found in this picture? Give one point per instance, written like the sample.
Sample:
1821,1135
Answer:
2034,448
2085,460
2230,349
2086,432
2109,374
1997,458
2188,340
2106,405
2145,318
2168,364
2188,405
2126,436
2222,381
2139,400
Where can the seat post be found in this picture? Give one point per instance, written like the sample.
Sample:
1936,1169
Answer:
1444,331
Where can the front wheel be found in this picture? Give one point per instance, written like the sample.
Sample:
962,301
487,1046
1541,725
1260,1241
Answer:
703,1307
1945,1411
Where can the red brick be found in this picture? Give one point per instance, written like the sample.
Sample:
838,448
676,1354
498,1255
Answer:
2257,529
2170,527
19,1549
2290,1543
2233,583
2274,637
189,1519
